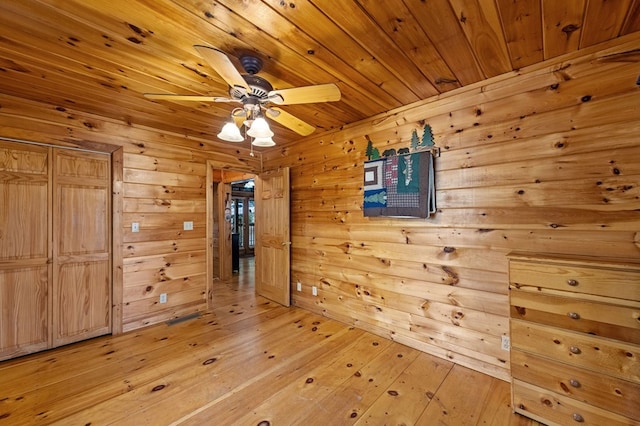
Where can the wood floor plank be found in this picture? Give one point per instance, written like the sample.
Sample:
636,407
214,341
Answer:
461,400
323,376
349,400
407,398
497,407
214,369
97,353
252,377
278,394
87,385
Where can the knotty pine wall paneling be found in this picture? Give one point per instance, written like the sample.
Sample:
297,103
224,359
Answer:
545,160
163,185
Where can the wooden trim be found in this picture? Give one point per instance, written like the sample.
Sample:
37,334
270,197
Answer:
209,231
117,233
54,213
95,147
50,254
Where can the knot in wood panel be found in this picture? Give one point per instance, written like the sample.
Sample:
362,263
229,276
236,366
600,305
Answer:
209,361
345,247
569,28
451,278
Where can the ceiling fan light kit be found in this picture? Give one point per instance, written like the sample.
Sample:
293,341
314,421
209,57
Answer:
263,142
255,94
230,133
260,129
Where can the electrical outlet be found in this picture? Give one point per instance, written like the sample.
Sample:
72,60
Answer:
505,344
163,297
135,227
299,286
314,290
187,226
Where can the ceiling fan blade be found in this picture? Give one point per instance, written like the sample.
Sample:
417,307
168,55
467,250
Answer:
170,97
305,95
290,121
220,62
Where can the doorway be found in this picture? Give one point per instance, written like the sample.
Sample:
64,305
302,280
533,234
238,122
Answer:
230,223
272,233
243,213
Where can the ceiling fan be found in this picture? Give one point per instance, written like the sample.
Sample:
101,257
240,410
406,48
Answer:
256,95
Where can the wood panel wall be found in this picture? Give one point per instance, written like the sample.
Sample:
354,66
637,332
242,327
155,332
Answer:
546,160
163,184
542,160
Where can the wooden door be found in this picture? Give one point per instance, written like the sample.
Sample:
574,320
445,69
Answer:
24,249
272,245
81,246
224,195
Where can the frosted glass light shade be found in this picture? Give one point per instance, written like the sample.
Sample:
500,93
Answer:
263,142
230,133
260,129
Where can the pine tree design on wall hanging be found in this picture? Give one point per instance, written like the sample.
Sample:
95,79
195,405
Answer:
372,153
401,184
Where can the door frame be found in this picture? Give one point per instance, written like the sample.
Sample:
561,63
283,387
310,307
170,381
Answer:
216,208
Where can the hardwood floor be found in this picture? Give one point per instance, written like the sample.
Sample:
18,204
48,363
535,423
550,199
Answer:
248,362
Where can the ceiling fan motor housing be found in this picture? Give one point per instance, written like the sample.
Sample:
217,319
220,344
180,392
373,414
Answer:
260,88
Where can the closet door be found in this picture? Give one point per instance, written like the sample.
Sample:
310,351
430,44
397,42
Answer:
81,246
24,249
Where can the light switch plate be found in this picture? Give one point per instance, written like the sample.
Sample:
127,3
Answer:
135,227
187,226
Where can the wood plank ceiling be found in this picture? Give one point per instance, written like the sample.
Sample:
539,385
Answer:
100,57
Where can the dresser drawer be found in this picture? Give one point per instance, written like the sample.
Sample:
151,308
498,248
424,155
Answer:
603,281
556,409
605,356
600,319
606,392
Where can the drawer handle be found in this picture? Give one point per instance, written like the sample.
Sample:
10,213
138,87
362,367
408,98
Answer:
574,383
575,350
577,417
572,282
574,315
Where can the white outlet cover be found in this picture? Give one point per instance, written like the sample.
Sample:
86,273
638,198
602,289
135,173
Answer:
163,298
505,343
188,226
135,227
299,286
314,290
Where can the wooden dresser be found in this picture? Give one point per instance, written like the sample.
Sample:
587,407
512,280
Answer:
575,339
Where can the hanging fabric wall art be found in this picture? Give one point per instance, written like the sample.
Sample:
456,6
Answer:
401,184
